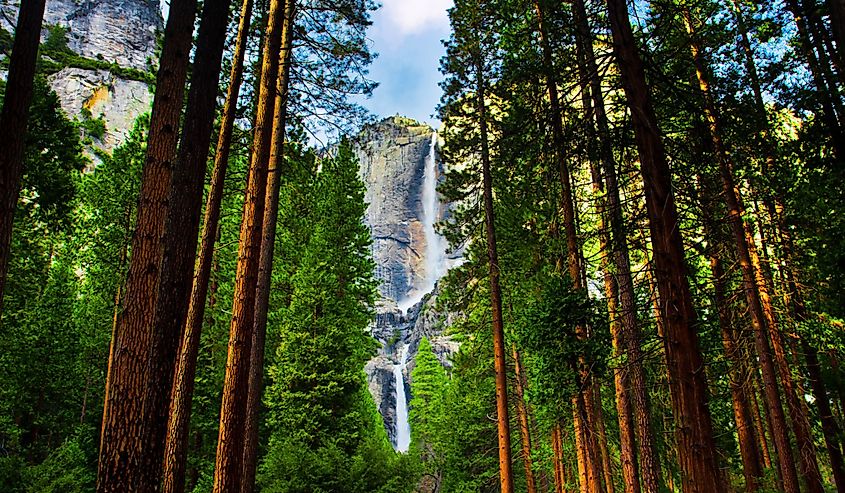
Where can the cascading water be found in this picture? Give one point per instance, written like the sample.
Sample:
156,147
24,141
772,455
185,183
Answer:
403,427
435,245
434,263
434,258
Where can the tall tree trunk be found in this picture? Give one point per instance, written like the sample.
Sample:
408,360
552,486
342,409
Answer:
760,429
124,423
557,459
798,309
649,470
627,445
827,54
775,208
601,436
118,297
228,463
737,370
755,291
180,234
572,254
524,428
694,430
13,121
748,261
265,265
173,474
582,457
503,421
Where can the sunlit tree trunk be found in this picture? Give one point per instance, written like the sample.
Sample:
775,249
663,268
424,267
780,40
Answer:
737,370
265,266
502,414
583,404
229,459
524,428
688,387
748,261
173,474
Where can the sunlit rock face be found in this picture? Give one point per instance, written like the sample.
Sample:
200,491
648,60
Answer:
395,155
114,31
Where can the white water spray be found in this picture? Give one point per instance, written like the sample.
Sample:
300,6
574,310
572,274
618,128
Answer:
435,245
403,427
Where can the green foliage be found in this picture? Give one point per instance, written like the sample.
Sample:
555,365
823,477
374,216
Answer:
93,127
43,385
325,432
426,413
68,469
547,329
6,40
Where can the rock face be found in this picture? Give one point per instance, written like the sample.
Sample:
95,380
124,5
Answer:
119,102
115,31
394,155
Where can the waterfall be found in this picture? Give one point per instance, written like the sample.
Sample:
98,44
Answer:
403,427
435,245
434,256
434,265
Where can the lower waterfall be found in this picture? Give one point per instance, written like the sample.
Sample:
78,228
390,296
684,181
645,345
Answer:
403,427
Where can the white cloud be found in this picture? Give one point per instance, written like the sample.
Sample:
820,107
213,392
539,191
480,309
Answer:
415,16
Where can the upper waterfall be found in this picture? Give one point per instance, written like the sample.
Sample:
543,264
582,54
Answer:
434,255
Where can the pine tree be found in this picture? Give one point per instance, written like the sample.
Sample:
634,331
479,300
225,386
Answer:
121,456
696,447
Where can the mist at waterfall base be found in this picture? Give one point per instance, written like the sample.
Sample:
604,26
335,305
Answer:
435,266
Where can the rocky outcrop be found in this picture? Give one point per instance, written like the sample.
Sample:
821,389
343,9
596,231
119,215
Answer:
118,31
117,101
122,32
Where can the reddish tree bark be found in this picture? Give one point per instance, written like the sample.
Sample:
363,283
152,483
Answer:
180,233
688,387
502,414
229,463
265,264
124,422
524,428
173,475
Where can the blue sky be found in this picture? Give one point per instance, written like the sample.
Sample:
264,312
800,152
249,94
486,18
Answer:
406,34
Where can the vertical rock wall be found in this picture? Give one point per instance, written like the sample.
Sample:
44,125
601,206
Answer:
122,32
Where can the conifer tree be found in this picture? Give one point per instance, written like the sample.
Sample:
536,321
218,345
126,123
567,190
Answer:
124,423
696,447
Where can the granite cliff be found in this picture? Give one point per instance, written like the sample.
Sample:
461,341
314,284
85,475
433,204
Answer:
112,45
